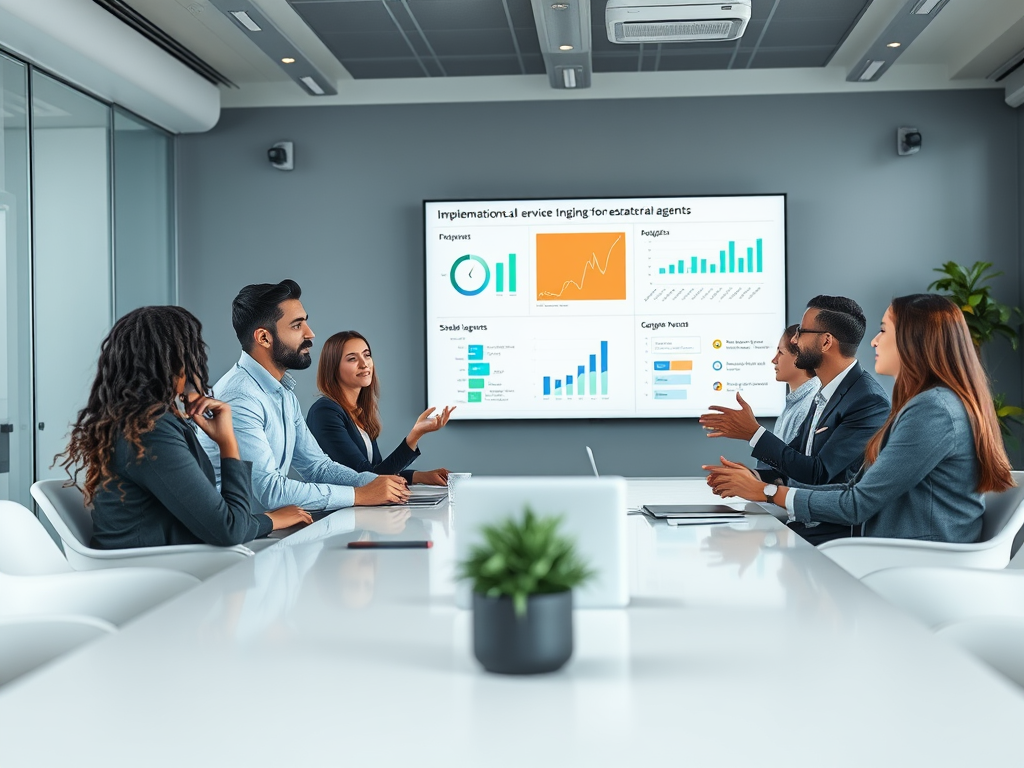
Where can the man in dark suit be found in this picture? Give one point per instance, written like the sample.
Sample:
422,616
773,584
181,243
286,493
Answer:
848,409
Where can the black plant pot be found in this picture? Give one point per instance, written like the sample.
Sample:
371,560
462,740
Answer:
540,641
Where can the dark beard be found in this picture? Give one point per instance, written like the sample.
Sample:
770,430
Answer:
809,360
291,359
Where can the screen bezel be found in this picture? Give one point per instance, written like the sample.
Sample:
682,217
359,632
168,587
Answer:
580,419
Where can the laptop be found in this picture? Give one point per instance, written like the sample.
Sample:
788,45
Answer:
592,514
679,511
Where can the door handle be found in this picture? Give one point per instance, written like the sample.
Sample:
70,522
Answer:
5,447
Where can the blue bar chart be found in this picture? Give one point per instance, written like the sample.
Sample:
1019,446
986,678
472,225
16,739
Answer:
589,379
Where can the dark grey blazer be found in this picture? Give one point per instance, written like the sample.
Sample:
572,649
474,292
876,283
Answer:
170,494
856,411
923,485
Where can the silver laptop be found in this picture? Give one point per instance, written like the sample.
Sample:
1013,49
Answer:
592,511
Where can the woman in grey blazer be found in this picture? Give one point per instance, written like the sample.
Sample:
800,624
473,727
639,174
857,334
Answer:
147,478
940,449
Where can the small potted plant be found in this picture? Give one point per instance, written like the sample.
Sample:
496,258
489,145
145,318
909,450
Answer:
523,575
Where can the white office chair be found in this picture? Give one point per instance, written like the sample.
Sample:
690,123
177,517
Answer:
65,509
1004,517
997,641
26,643
36,580
940,596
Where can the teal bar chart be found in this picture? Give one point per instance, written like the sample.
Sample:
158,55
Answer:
750,261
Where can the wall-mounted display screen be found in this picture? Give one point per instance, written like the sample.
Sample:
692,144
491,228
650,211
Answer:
604,308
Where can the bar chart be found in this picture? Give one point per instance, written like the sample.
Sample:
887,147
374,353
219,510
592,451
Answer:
729,261
478,371
580,380
669,378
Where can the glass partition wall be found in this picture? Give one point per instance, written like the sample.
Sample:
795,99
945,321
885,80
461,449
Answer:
87,234
16,432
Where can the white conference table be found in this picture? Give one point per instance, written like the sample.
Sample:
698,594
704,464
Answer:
742,646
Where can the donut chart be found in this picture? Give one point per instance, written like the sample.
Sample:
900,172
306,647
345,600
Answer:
470,275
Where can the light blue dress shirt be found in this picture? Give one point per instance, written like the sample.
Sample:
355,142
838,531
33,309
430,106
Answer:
798,405
272,434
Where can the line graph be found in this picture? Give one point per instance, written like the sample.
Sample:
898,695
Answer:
581,266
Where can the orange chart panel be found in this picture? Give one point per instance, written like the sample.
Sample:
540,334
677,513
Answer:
581,266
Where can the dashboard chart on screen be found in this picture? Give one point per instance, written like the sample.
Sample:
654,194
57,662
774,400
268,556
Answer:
604,308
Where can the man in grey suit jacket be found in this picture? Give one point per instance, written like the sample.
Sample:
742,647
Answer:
848,409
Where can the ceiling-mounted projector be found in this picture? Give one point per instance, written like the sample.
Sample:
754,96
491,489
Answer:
675,21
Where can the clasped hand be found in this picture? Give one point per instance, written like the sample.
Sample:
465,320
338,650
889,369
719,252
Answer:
732,479
739,424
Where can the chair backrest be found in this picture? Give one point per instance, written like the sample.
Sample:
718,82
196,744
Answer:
65,508
1000,508
26,549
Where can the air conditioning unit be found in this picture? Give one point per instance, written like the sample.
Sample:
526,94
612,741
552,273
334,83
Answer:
675,21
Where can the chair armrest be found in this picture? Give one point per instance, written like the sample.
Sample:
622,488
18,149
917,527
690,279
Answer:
199,560
861,556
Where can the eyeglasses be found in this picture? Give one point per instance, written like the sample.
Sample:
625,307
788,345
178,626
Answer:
800,331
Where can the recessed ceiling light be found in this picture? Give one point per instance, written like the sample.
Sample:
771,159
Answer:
287,60
565,47
246,21
560,6
893,45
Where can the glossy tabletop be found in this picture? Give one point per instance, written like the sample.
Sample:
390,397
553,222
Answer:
742,646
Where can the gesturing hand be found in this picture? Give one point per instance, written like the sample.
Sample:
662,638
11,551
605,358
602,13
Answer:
427,423
732,479
738,424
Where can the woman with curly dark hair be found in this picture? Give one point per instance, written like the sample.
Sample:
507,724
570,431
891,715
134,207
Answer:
146,475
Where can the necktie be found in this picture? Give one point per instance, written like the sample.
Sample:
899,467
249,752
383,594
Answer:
819,407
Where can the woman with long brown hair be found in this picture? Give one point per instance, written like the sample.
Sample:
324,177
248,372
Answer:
147,477
346,420
940,449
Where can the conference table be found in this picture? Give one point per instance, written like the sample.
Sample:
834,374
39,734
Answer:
742,646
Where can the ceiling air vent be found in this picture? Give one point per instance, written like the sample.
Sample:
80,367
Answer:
674,21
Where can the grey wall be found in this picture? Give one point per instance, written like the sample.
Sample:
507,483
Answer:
346,224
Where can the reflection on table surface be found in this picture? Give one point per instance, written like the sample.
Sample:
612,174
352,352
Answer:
742,645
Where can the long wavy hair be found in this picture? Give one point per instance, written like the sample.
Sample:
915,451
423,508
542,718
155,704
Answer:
935,349
142,357
365,412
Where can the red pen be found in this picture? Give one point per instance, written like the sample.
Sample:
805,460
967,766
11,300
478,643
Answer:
390,544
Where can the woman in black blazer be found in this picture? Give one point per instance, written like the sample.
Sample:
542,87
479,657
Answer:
346,421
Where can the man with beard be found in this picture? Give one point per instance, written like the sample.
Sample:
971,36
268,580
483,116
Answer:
849,408
271,325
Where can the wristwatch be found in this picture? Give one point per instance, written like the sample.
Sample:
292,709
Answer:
769,492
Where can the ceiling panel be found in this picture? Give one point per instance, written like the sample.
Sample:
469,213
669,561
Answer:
474,37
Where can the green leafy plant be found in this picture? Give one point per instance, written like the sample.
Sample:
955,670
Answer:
522,558
1007,413
986,317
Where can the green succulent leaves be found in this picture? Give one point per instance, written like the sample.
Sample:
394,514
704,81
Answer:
524,557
